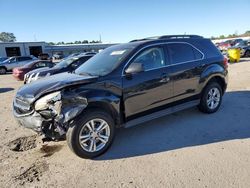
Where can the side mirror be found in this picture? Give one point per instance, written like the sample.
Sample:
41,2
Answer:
134,68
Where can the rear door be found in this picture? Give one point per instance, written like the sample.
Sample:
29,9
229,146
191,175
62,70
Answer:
185,69
145,91
23,60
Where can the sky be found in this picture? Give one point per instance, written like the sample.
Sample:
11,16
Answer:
121,20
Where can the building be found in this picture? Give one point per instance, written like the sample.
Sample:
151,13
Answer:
8,49
75,48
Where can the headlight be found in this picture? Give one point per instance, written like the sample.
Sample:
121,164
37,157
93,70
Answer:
48,100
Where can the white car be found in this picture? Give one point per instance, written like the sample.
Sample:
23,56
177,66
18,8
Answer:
14,62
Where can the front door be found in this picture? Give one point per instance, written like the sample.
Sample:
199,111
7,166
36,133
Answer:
145,91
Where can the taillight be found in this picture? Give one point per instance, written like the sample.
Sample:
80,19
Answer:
225,62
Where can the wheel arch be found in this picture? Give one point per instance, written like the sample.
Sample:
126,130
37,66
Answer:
107,107
214,73
2,66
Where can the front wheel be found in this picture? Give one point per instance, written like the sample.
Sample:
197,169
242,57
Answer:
92,134
211,98
2,70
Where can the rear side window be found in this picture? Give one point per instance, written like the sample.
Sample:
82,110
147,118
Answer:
180,53
41,64
24,58
80,61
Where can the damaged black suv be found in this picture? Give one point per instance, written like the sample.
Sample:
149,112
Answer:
124,85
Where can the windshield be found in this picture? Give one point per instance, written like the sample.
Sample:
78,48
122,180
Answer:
104,62
8,60
66,62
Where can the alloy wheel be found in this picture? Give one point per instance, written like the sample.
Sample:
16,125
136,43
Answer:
94,135
213,98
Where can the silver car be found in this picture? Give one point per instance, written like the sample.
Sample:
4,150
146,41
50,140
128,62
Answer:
14,62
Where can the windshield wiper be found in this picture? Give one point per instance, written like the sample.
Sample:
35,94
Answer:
86,73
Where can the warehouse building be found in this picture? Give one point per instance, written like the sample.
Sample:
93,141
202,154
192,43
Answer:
8,49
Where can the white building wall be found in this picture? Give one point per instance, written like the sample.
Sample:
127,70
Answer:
24,47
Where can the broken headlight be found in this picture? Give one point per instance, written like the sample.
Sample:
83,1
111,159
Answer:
50,101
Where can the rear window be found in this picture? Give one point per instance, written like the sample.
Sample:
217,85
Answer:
208,48
181,52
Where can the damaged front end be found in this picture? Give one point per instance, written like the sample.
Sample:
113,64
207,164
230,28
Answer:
51,114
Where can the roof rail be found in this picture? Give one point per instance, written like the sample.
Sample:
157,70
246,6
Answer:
179,36
168,37
148,38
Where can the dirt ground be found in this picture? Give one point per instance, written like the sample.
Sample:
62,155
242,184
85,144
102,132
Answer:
186,149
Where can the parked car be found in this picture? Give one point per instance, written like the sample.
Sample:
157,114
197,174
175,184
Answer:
223,46
122,86
66,65
244,47
3,59
58,56
19,72
44,56
14,62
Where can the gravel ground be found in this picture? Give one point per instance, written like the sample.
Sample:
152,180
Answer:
186,149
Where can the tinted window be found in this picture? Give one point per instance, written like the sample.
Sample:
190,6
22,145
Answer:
151,58
24,58
80,61
180,53
41,64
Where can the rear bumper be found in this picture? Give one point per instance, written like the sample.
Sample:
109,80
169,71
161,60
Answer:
18,76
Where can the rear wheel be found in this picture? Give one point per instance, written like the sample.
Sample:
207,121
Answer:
211,98
92,134
3,70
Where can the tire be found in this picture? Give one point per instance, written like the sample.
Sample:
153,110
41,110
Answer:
211,98
247,53
3,70
101,140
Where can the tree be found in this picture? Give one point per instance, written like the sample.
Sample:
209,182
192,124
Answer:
85,42
7,37
222,37
247,33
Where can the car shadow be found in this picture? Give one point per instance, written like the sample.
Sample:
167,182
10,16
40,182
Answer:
187,128
7,89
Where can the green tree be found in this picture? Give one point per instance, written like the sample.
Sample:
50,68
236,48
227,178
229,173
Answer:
85,42
222,37
247,33
7,37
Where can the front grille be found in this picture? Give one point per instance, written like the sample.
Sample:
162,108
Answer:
21,106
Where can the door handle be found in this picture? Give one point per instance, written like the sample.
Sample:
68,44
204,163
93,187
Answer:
164,78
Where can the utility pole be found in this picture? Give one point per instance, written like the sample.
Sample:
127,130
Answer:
100,38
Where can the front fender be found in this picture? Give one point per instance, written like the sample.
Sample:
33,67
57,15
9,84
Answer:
75,101
210,72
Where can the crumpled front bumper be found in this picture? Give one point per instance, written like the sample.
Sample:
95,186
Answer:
32,120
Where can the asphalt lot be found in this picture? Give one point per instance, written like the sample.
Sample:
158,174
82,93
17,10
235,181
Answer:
185,149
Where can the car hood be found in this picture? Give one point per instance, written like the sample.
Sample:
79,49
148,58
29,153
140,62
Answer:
2,63
33,91
45,71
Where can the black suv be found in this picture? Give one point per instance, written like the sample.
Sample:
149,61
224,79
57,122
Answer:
122,86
